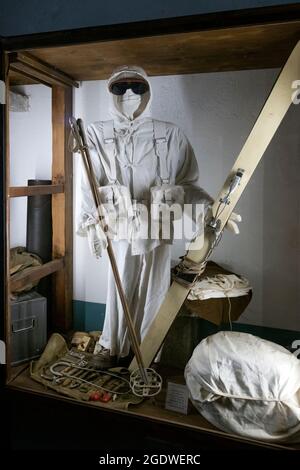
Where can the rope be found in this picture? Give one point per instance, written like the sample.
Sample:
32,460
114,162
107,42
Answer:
229,312
226,285
188,268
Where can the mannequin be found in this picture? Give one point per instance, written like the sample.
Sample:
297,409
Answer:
136,160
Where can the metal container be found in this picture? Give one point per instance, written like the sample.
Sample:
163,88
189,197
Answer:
28,327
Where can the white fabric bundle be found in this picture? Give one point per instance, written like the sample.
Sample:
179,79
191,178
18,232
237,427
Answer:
246,385
221,285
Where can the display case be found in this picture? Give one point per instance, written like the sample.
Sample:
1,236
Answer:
231,41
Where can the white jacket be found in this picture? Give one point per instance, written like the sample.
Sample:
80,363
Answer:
137,165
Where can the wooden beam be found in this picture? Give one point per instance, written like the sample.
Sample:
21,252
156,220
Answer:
27,77
39,190
62,212
19,78
32,67
19,280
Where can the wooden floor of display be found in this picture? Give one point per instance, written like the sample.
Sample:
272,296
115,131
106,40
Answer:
149,409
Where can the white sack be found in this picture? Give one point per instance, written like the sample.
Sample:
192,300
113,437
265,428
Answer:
245,385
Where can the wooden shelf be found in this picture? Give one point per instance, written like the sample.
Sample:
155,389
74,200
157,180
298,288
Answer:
19,280
60,187
38,190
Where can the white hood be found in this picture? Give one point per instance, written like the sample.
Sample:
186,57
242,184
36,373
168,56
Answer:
129,107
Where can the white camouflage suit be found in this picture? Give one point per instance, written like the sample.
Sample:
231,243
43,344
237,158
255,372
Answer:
144,265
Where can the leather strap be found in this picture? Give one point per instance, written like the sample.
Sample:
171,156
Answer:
161,149
110,150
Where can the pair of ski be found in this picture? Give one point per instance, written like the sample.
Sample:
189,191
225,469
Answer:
266,125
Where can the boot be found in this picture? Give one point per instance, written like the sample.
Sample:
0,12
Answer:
102,359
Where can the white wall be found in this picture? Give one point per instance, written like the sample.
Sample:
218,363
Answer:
30,152
217,111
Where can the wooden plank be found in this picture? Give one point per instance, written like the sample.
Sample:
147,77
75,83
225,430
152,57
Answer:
38,190
68,179
43,72
28,78
247,47
19,280
62,212
17,78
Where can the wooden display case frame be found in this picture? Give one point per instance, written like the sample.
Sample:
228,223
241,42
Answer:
37,59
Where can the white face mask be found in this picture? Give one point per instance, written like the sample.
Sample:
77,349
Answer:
128,103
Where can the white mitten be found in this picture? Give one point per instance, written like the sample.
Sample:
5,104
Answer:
97,240
232,225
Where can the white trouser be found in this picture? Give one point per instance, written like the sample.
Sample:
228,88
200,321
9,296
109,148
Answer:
145,279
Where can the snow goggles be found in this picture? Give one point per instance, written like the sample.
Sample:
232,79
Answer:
139,87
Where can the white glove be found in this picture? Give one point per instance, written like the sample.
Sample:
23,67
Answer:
97,240
232,225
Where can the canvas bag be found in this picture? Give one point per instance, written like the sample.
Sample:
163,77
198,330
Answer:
246,385
20,261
